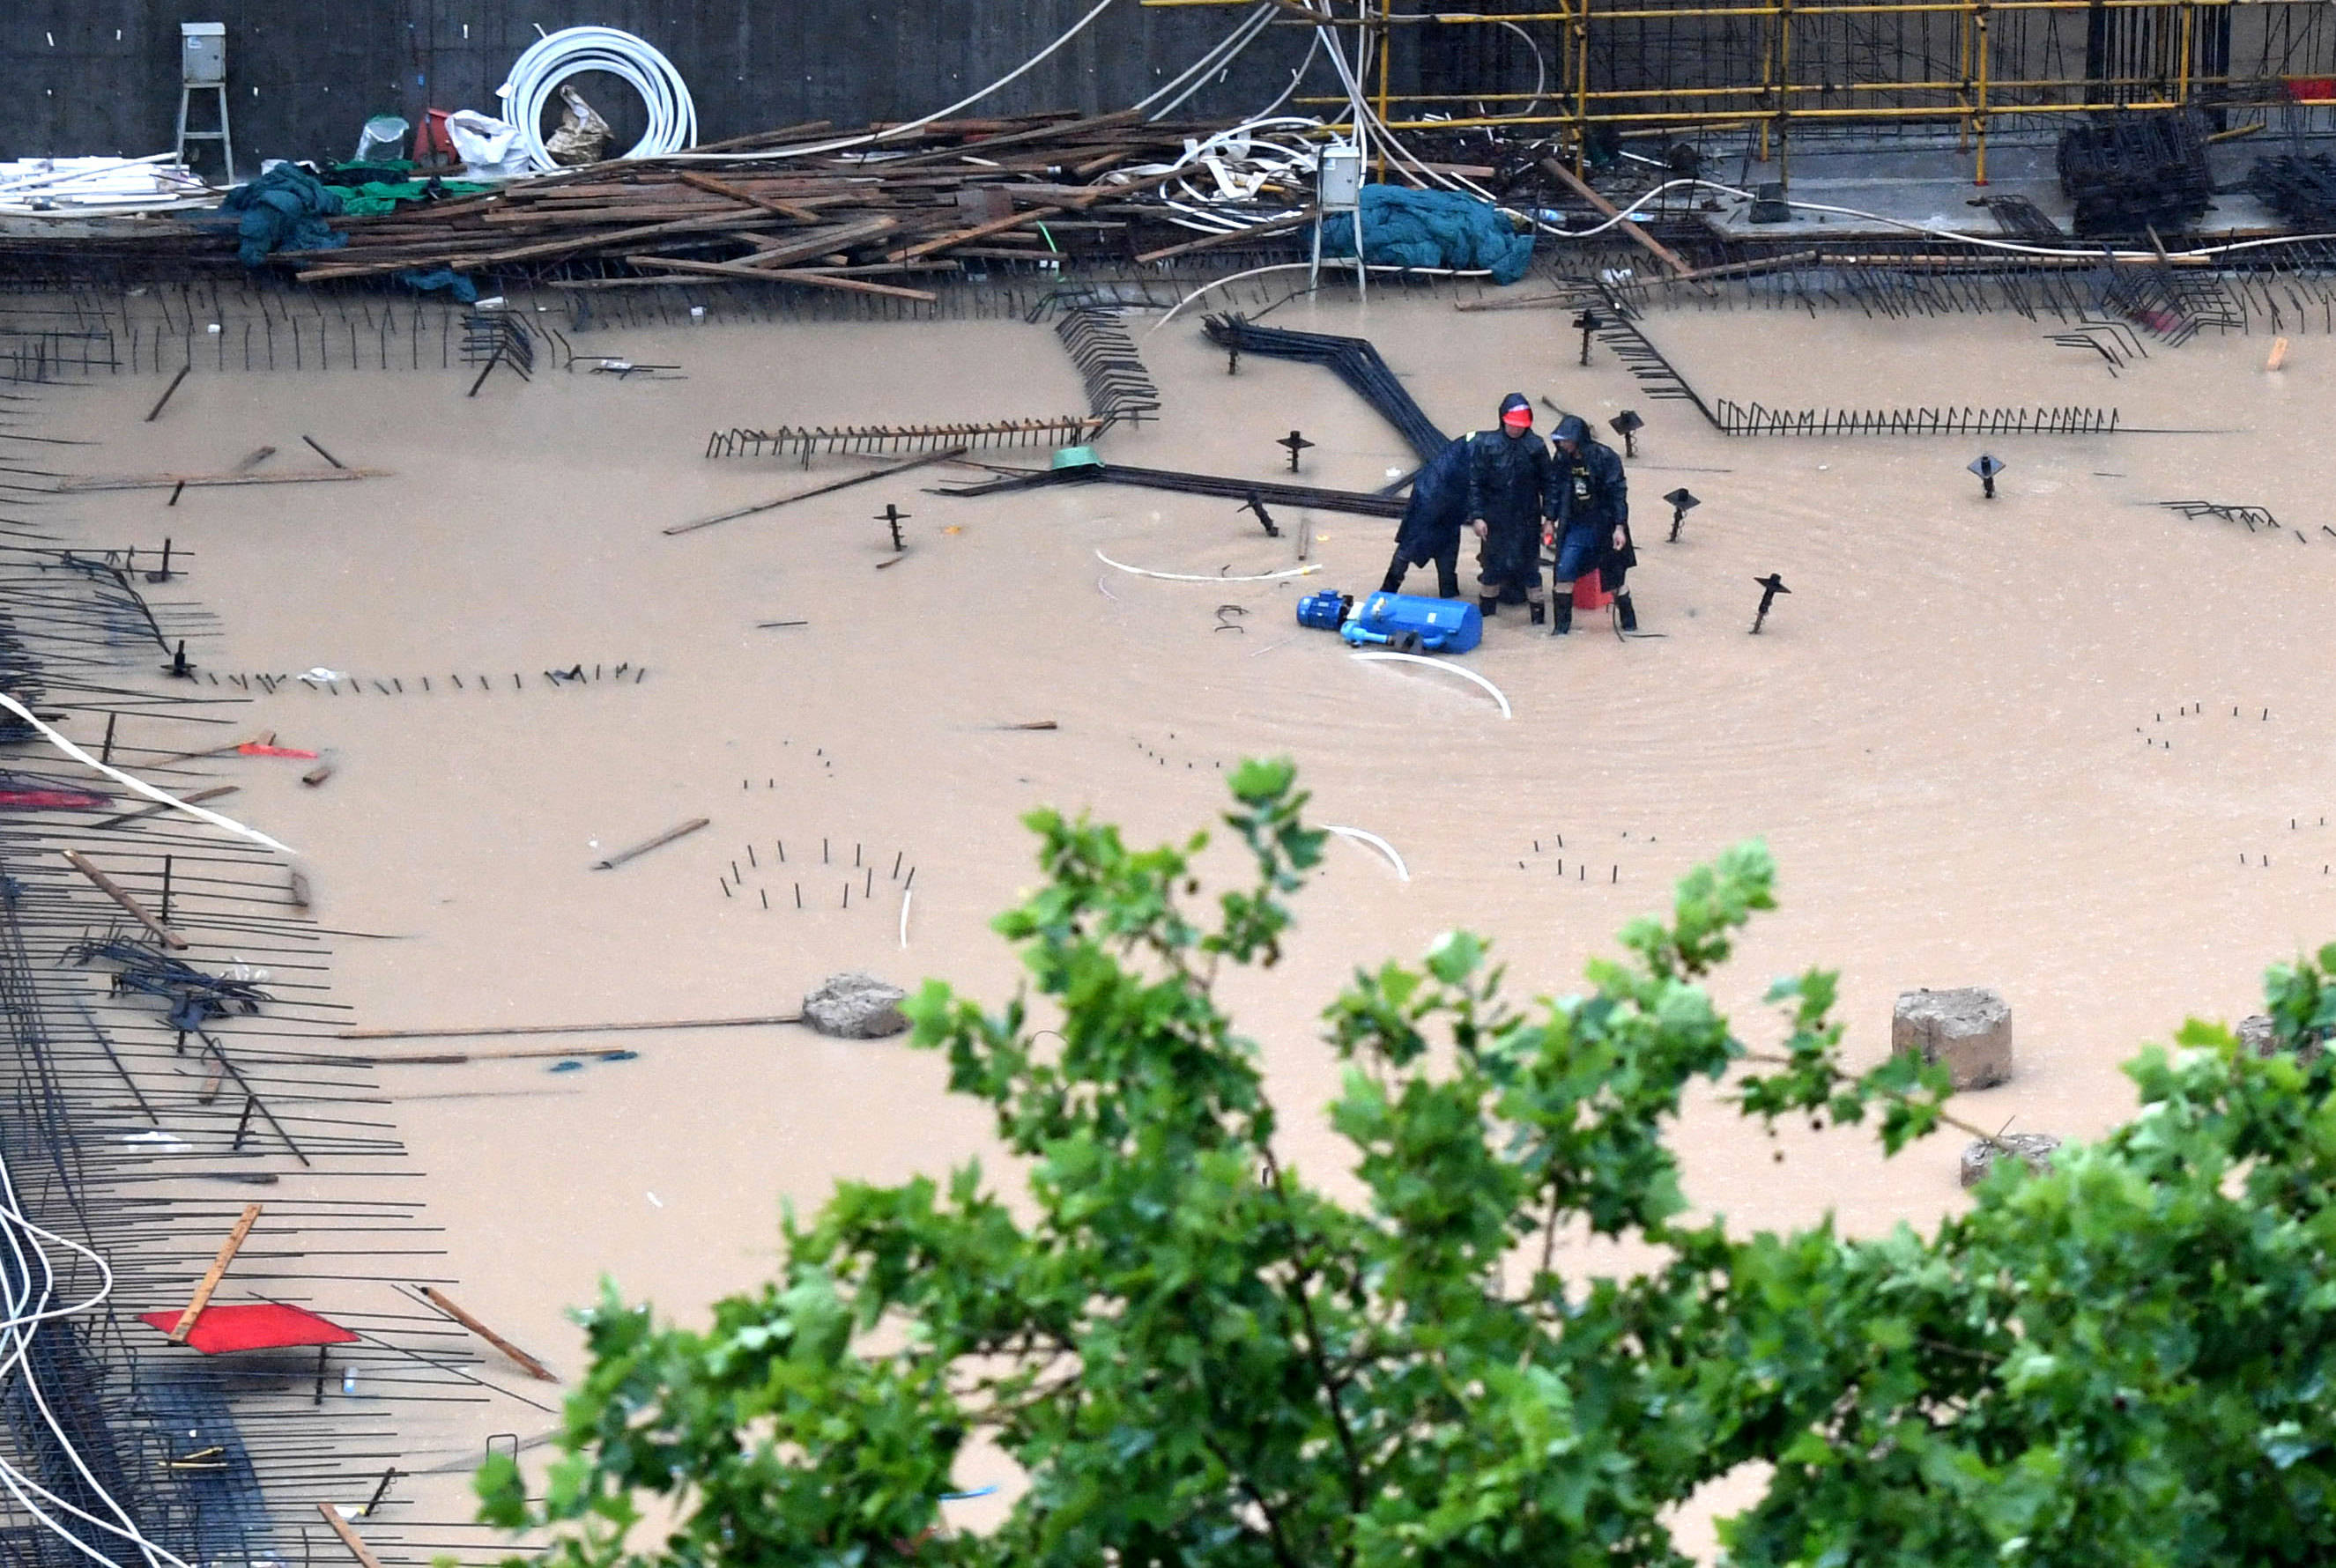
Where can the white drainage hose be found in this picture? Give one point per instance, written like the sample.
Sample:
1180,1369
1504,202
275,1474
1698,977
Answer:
553,59
1198,578
1460,669
1375,842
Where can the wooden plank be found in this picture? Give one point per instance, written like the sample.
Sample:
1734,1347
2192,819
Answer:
775,274
501,1030
765,138
194,481
212,1275
1557,170
659,842
197,798
445,1304
552,247
114,890
819,242
349,1537
707,182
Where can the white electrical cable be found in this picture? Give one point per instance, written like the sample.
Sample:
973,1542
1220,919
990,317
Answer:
1226,51
1306,267
552,59
140,785
1194,577
1461,671
1403,871
1313,47
16,1328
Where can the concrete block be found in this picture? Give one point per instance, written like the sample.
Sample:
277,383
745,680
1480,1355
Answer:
1968,1029
855,1006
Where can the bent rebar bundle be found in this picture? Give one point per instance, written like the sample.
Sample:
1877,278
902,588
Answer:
1753,419
1352,359
140,1108
1118,386
803,441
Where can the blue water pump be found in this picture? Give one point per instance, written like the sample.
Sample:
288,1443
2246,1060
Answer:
1413,624
1325,610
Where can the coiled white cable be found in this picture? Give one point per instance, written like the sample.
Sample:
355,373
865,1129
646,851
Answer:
554,58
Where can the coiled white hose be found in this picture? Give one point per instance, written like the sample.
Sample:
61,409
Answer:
553,59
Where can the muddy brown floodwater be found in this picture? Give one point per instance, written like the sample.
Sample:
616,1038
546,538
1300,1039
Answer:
2065,743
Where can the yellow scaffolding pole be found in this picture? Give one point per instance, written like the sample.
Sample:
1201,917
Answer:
1767,99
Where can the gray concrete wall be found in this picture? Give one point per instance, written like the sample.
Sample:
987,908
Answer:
102,76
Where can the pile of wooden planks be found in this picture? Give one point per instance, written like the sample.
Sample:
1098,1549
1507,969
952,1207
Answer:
842,220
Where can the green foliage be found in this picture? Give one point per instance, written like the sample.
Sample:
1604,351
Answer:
1198,1358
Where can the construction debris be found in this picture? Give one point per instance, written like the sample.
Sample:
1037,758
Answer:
855,1006
816,220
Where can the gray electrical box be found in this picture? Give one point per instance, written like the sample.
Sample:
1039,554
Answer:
1339,186
202,54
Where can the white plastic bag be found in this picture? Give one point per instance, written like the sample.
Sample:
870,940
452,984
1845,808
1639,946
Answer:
489,146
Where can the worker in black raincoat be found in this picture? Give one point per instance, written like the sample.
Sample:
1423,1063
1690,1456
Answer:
1591,520
1509,496
1432,521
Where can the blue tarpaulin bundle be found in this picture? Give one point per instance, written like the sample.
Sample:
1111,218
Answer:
1431,228
283,209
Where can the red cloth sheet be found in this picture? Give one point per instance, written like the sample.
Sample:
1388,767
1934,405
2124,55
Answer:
259,1326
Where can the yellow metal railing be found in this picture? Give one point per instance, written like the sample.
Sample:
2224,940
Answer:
1791,57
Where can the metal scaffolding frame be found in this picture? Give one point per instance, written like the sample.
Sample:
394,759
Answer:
1776,67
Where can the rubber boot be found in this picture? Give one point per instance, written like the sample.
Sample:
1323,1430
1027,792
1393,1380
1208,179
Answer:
1562,622
1488,605
1447,585
1536,612
1394,581
1630,617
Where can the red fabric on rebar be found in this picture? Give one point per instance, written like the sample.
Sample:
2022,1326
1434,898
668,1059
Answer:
259,1326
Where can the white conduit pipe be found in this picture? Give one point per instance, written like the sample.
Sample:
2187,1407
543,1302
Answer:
552,59
1227,49
140,785
1402,871
1460,669
1196,577
912,893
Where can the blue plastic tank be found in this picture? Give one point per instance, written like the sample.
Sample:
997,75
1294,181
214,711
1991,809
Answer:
1398,620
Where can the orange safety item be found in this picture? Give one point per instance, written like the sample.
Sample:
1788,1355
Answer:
256,748
1589,593
432,142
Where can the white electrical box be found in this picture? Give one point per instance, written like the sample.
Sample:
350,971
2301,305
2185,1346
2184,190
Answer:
202,54
1339,185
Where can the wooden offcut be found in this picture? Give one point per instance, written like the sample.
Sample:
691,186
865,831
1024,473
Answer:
115,891
445,1304
1558,171
349,1537
659,842
510,1029
211,1276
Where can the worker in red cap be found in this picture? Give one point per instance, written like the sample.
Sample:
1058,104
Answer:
1508,497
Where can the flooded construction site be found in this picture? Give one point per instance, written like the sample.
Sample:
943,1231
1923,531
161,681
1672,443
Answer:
455,720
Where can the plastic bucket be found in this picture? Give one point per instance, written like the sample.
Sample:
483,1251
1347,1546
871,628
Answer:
382,141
